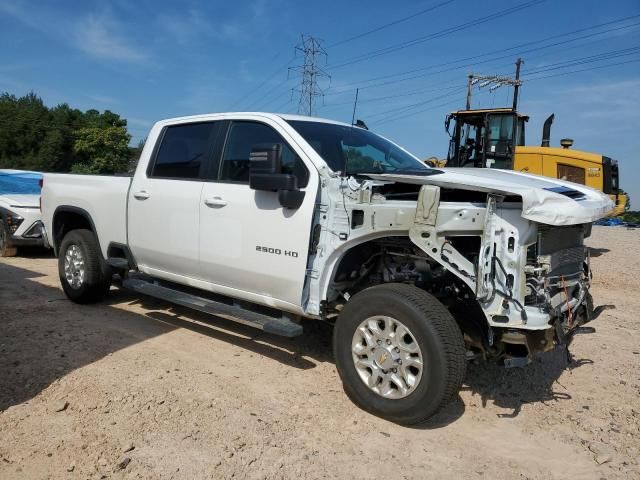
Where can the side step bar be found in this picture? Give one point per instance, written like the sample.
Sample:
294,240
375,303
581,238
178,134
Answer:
278,326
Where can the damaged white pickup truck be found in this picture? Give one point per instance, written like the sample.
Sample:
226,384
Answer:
270,219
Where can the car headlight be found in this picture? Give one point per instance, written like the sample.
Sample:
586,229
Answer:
13,222
35,230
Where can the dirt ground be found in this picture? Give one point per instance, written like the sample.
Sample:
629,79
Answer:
136,388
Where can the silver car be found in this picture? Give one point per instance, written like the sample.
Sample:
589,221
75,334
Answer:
20,218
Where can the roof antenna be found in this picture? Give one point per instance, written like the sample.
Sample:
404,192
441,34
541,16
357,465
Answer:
353,122
355,104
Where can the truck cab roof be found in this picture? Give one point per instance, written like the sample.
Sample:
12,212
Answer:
232,115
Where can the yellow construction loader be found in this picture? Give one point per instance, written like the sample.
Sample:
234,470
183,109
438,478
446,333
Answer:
495,138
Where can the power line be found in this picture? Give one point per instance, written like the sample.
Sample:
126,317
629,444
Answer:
281,107
404,108
254,105
311,73
589,59
276,98
457,65
441,33
599,67
273,75
386,97
566,64
391,24
394,118
401,116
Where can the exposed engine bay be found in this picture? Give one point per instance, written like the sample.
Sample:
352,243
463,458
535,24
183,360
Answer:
516,287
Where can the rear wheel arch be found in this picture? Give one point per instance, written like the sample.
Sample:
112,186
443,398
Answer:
67,218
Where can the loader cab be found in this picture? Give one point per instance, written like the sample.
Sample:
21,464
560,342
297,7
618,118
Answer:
484,138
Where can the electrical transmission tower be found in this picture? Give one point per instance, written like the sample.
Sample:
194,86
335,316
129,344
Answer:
311,74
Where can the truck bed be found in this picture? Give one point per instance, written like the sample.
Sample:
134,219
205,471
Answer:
103,197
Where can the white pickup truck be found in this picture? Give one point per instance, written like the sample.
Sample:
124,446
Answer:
269,219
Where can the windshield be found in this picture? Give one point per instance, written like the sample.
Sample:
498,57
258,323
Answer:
360,150
19,183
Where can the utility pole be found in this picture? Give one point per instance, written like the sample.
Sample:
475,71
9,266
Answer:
311,73
516,87
494,82
469,88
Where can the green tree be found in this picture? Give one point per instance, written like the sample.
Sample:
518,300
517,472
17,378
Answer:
62,138
134,155
627,207
102,149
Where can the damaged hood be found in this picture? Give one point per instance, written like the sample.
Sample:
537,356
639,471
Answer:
544,200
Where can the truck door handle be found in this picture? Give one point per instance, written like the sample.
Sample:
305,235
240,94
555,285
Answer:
141,195
215,202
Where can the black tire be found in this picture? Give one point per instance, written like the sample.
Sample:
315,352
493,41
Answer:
97,273
436,333
6,249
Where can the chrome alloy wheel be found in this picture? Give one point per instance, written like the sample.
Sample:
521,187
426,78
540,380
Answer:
74,267
387,357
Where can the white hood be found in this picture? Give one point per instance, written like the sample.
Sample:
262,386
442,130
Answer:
21,199
539,203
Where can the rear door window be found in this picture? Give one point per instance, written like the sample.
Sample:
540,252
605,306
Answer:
185,150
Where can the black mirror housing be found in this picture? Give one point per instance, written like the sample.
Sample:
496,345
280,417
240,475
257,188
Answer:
265,174
291,198
266,159
272,182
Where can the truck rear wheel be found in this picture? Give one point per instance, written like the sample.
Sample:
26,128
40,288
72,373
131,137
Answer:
84,275
399,352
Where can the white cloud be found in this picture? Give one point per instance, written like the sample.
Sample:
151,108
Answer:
192,25
184,28
605,99
17,10
102,99
98,36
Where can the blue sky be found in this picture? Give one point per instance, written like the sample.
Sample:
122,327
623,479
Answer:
149,60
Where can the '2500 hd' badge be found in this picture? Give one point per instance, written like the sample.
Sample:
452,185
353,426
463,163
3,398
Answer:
276,251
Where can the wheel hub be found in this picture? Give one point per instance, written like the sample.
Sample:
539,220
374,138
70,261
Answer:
74,266
387,357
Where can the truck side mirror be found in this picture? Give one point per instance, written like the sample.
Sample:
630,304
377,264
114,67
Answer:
265,174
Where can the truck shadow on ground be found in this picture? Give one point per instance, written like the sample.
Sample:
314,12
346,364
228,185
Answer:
44,337
297,352
511,388
35,252
596,252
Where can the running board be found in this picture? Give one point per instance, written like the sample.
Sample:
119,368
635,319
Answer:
278,326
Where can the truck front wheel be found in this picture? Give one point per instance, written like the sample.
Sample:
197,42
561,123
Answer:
84,275
399,352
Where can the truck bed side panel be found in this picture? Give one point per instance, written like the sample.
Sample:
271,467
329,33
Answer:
104,198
